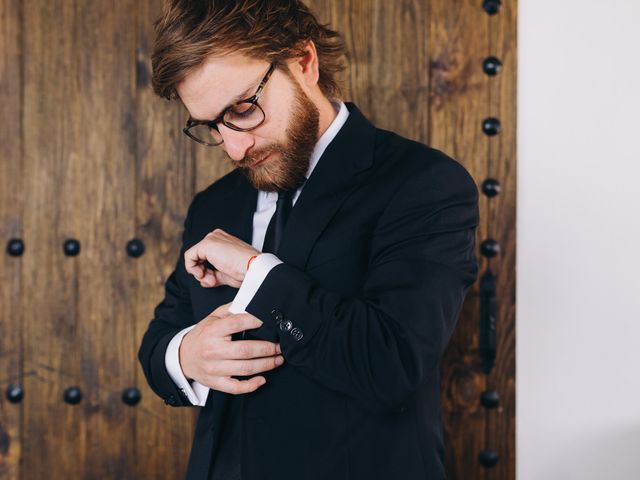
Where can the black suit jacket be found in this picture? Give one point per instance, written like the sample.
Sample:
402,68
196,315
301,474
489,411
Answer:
378,252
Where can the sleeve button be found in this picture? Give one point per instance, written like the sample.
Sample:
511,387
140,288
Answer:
296,333
286,325
277,315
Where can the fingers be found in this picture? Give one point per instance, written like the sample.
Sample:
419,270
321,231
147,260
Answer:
222,310
247,366
236,387
214,278
225,279
210,278
241,349
193,263
236,323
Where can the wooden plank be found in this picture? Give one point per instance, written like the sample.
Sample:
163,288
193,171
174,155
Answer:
51,352
166,177
388,60
11,207
458,43
501,215
415,68
80,159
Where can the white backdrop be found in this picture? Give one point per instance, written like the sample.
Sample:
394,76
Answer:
578,259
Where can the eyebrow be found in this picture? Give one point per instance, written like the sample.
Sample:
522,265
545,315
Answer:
233,101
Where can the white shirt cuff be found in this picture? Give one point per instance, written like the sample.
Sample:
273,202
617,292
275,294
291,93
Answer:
195,392
258,270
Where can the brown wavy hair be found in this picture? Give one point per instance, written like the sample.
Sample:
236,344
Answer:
189,31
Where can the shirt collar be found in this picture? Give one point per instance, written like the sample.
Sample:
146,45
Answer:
329,134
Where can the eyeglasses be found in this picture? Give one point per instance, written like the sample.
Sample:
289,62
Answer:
242,116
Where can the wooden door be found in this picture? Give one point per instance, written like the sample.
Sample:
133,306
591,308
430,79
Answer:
95,178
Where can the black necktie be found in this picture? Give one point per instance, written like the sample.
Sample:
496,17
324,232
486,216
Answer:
273,237
227,463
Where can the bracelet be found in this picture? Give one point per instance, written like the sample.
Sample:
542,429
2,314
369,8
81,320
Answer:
250,260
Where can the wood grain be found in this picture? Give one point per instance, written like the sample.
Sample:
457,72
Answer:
11,209
165,183
501,213
87,151
459,40
80,185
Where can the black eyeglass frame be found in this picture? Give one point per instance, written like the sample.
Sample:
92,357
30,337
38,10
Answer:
220,118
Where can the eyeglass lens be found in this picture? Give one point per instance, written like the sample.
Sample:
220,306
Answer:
244,116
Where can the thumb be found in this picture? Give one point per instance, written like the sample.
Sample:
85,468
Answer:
225,279
222,310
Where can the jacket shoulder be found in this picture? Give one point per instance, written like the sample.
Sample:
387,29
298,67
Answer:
414,162
216,190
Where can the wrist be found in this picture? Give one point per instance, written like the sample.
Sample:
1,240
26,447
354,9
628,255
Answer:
181,359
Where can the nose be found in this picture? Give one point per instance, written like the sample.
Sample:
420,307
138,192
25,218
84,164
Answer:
235,143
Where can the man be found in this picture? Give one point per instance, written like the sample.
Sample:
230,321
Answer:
319,282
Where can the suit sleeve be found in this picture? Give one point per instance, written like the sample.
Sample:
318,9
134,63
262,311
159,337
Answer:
380,346
171,315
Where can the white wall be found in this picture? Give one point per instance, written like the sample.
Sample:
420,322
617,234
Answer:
578,259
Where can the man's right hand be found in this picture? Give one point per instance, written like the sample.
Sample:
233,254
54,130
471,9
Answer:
209,356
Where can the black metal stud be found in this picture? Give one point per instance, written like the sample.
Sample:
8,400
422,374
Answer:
491,126
15,247
491,187
135,248
488,458
491,6
71,247
131,396
15,393
489,248
72,395
492,66
490,398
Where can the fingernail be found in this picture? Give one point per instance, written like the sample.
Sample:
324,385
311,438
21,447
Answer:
279,360
278,349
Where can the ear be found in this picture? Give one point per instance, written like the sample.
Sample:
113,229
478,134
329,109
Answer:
306,68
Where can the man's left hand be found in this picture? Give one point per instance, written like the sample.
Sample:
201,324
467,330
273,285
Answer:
228,255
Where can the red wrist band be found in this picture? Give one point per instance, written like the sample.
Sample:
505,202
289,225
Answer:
250,260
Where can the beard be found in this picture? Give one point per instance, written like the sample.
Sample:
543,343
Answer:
287,170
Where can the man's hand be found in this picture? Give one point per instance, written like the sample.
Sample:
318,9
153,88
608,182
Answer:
228,255
208,355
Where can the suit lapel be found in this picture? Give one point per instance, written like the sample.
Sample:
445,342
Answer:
330,183
238,209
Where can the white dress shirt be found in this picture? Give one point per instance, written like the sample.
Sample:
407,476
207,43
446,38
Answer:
260,266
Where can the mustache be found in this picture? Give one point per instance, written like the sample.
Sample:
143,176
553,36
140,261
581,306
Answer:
256,156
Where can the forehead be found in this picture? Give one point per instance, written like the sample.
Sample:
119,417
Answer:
208,88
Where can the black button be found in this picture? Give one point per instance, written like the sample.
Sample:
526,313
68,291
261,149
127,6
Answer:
170,400
296,333
286,325
277,315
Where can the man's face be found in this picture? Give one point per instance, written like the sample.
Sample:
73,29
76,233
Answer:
275,155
